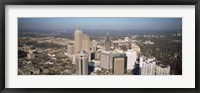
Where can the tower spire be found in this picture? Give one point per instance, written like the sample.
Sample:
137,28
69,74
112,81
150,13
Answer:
107,33
107,42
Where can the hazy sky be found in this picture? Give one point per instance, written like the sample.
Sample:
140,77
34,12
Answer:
162,24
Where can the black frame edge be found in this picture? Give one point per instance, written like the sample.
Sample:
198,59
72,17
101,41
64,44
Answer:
104,2
197,44
2,48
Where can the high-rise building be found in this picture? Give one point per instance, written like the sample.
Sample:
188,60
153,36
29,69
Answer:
119,64
94,46
86,44
82,63
106,60
148,66
78,37
70,48
162,70
131,59
107,42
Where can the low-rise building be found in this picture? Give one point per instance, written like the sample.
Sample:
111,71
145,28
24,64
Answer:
148,66
162,69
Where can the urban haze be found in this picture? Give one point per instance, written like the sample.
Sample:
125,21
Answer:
99,46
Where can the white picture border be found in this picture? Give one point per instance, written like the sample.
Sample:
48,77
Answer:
187,80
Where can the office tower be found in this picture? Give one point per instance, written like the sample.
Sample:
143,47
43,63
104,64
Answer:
94,46
70,48
148,66
162,69
86,45
82,63
119,64
131,59
78,37
106,60
30,55
107,42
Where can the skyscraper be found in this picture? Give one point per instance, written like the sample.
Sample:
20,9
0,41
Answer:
94,46
70,48
78,37
82,63
131,58
119,64
86,44
106,60
107,42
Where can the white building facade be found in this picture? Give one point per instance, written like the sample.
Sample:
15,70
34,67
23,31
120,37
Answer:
148,66
106,60
162,70
82,63
131,59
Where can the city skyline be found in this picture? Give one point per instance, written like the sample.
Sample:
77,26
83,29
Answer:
77,53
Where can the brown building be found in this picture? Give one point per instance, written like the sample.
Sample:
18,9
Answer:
119,66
